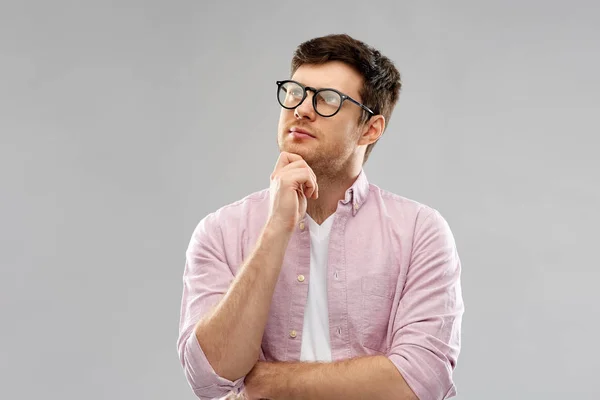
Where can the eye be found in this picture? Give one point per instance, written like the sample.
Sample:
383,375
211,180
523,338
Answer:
293,90
329,97
296,92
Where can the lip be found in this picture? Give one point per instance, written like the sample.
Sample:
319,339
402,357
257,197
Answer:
301,133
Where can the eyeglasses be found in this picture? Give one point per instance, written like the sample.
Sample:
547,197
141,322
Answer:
326,102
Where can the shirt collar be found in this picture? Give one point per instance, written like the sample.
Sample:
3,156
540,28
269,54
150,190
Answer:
357,194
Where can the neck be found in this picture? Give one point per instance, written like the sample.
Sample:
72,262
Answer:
332,189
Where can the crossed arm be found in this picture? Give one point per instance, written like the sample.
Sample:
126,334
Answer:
369,377
219,354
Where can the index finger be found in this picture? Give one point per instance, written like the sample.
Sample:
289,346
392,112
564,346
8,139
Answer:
286,158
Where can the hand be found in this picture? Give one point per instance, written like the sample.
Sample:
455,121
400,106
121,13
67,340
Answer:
292,183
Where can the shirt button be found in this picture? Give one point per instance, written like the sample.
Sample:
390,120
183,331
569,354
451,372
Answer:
339,331
292,333
335,274
300,278
302,225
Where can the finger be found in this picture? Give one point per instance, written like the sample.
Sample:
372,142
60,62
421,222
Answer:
309,193
302,180
299,179
312,177
296,165
306,191
300,164
284,159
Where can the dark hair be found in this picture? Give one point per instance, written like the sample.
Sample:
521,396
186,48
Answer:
381,87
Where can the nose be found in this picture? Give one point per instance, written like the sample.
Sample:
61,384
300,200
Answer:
306,109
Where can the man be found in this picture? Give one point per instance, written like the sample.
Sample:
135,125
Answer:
324,286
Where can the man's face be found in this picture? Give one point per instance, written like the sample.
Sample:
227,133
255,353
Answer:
335,142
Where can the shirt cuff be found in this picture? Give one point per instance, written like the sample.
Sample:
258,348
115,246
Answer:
416,379
203,379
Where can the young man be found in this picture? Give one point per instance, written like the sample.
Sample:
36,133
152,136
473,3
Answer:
324,286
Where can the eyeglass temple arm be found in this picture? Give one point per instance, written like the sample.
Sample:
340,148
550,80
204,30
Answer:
367,109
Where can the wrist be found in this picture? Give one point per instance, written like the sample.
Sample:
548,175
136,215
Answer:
276,380
276,228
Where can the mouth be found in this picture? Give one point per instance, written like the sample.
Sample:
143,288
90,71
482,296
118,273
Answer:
301,134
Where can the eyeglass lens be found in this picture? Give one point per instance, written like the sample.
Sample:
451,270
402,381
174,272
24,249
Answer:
327,102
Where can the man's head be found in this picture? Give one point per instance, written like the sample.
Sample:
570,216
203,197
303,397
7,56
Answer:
354,69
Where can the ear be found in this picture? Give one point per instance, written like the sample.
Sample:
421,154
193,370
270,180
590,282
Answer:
372,130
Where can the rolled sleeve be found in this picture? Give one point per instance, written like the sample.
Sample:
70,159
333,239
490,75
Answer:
426,327
204,381
206,279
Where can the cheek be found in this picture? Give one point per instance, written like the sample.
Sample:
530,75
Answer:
346,120
285,118
345,131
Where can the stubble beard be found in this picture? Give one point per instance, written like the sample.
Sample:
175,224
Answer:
328,164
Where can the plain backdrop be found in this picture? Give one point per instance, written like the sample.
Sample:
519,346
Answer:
123,123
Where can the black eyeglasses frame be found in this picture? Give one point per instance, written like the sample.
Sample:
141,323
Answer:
316,91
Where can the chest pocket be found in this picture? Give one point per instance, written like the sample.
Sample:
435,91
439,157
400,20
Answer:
377,297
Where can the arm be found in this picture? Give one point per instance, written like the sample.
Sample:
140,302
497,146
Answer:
372,377
426,328
232,333
222,316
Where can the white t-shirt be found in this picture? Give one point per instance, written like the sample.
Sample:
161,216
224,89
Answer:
316,344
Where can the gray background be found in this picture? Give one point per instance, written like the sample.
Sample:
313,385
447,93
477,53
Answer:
123,123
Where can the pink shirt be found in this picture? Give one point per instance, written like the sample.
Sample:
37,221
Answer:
393,287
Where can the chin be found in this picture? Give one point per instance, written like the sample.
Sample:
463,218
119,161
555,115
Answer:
299,149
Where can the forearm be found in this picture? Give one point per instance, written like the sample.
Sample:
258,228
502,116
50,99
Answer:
231,334
372,377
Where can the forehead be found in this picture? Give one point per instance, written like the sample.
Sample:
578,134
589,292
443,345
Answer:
333,74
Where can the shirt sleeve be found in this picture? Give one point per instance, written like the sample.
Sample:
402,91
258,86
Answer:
426,327
206,279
